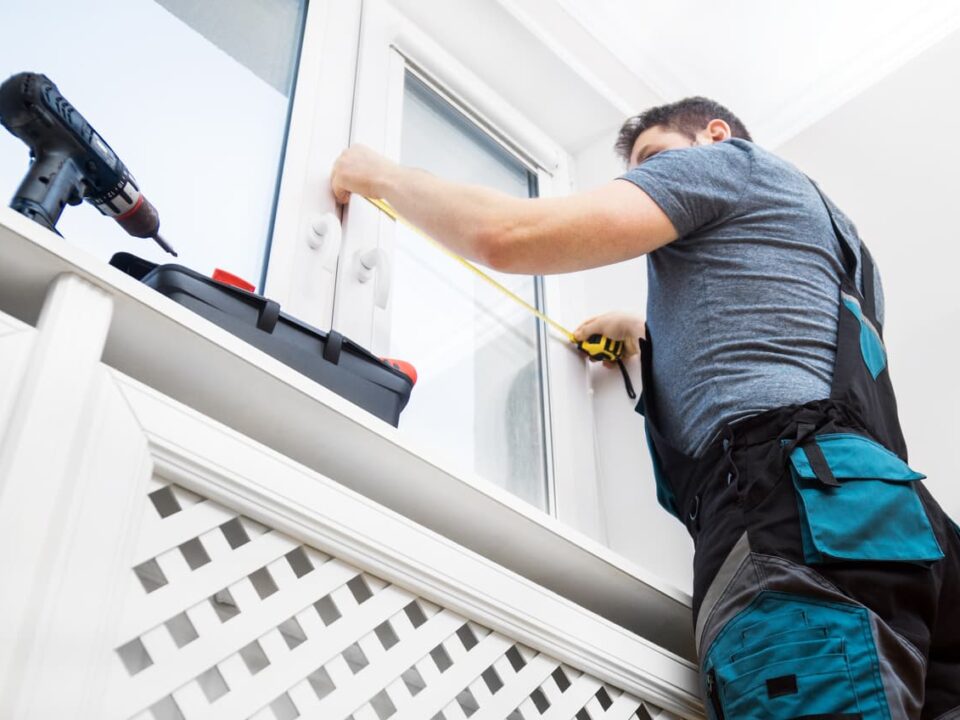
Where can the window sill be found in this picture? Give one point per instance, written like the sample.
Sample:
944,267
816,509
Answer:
308,423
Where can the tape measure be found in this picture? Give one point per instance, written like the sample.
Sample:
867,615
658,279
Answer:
596,347
600,347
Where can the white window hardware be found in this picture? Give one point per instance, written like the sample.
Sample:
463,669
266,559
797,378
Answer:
325,236
368,261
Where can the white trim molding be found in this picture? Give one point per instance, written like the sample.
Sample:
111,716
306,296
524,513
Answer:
175,351
168,565
208,459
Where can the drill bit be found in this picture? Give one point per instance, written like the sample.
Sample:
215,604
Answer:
163,243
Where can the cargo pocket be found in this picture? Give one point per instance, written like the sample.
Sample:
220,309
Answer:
857,501
785,656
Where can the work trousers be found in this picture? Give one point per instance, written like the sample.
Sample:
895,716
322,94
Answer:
793,617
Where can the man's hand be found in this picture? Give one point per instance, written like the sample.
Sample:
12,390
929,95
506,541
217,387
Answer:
616,326
360,170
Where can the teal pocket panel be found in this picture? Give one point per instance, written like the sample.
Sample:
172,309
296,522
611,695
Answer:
782,638
827,665
871,346
762,629
777,651
823,687
874,513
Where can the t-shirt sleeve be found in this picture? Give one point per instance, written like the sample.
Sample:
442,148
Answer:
695,186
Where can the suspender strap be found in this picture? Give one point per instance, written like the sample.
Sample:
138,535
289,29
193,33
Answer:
869,291
850,262
849,256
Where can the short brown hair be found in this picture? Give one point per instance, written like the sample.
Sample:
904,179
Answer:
686,116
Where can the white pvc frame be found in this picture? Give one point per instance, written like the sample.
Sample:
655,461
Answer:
389,45
305,244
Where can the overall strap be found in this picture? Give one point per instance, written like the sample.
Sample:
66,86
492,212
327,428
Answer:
869,290
850,260
849,256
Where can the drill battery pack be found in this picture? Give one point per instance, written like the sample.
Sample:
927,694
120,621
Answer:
326,357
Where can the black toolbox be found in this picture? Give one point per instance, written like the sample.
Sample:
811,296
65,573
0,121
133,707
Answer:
328,358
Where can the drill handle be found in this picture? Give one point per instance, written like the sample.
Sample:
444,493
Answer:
53,181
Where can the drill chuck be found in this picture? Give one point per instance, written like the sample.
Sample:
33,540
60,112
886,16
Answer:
70,162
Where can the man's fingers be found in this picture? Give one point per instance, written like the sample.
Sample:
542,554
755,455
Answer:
340,193
586,329
342,196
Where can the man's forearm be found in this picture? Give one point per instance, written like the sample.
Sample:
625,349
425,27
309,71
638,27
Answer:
608,224
469,219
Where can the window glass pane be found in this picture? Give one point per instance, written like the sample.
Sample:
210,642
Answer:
480,392
192,95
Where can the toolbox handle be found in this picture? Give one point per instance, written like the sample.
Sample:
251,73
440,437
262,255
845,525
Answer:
268,316
333,346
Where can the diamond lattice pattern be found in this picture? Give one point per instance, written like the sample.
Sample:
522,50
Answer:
231,619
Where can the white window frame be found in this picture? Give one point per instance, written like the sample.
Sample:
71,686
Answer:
389,44
305,242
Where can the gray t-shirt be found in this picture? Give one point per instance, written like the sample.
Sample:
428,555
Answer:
742,308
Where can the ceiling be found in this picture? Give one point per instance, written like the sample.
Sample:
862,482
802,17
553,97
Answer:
779,65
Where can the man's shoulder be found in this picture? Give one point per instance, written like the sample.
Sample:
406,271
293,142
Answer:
758,155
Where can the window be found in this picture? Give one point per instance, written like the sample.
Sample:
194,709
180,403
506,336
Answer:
482,404
197,99
481,386
192,95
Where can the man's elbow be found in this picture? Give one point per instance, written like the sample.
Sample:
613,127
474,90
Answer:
496,254
499,245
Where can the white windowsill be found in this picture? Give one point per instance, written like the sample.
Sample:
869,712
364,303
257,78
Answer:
177,352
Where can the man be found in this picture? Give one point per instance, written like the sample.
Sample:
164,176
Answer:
826,578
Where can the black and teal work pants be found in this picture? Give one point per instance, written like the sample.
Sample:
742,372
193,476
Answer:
827,580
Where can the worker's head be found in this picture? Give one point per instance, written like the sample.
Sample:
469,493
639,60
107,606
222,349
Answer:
685,123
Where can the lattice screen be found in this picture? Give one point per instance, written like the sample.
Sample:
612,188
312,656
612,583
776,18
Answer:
234,620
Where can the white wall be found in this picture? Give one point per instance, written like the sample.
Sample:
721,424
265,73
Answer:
889,158
780,65
637,527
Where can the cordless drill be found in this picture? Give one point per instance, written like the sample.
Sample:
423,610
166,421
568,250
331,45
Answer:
70,162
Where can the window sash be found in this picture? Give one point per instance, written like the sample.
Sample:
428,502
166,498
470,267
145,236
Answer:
348,87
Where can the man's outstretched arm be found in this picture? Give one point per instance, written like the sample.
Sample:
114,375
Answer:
614,222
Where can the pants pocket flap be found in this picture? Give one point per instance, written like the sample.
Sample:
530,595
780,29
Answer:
853,456
869,509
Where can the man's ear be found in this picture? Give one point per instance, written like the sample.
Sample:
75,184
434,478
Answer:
718,130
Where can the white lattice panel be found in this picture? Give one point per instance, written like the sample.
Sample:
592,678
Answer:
230,619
